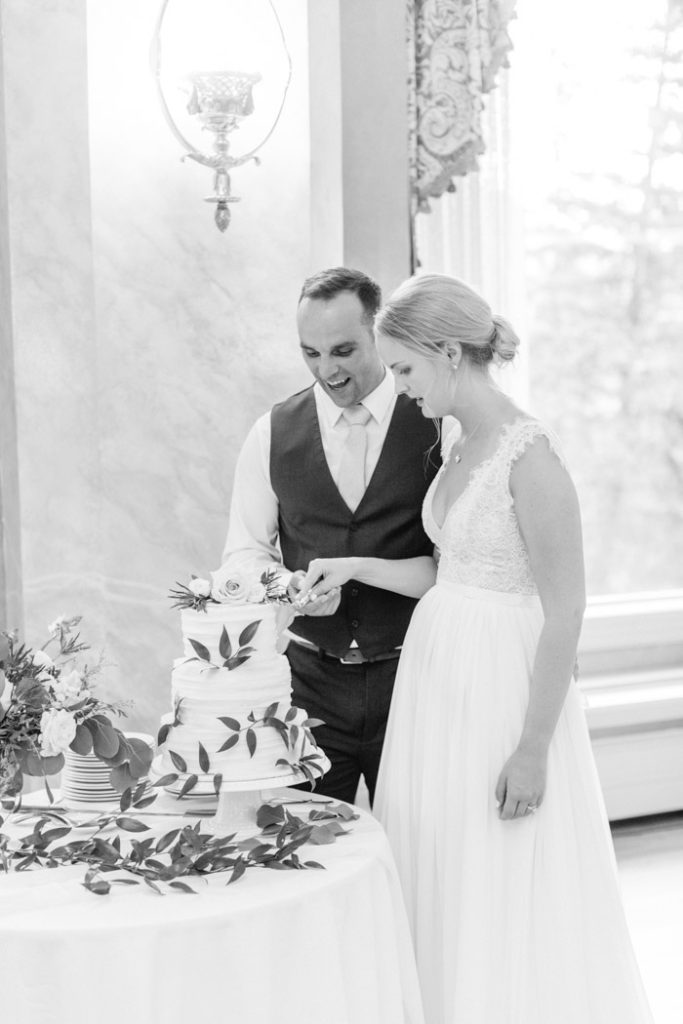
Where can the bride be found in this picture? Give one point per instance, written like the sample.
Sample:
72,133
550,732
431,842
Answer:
487,786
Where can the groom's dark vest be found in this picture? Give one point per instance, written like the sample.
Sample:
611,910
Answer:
315,522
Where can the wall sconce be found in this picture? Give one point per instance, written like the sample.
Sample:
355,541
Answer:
249,37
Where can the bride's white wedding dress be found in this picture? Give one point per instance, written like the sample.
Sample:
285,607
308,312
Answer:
514,922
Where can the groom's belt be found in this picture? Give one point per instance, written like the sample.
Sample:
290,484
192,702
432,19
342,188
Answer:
354,655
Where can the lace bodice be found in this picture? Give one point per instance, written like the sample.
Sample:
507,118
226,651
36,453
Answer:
480,542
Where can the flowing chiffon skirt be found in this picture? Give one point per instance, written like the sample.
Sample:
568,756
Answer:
514,922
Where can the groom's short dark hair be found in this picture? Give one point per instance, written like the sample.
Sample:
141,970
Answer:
328,283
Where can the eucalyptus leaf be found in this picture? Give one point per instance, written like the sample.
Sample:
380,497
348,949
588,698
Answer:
82,741
237,872
249,632
224,645
162,735
188,785
204,762
131,824
200,650
166,780
179,762
217,783
231,723
251,742
230,742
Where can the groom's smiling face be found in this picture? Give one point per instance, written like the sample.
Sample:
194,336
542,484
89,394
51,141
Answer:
339,348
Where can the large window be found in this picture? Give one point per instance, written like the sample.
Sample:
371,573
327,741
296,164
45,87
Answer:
597,143
573,228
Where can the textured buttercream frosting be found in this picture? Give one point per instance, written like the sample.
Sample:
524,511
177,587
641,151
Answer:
256,680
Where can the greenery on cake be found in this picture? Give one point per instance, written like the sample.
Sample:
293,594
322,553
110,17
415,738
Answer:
231,658
287,728
231,585
162,863
48,706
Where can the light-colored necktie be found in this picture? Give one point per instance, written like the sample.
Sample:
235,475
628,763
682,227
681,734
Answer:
351,482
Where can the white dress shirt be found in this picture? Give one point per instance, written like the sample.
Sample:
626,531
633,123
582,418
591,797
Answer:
253,527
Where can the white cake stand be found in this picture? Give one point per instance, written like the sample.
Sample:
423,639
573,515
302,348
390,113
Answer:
238,801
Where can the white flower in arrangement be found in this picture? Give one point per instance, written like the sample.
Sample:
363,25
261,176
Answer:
70,689
230,585
200,587
55,627
42,660
57,730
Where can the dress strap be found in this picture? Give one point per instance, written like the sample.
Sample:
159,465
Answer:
522,433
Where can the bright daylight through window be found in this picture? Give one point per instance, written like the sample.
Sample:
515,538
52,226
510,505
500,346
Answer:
597,127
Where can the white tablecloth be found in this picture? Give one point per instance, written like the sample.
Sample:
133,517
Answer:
295,947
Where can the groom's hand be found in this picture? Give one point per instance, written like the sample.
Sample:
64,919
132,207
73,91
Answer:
325,605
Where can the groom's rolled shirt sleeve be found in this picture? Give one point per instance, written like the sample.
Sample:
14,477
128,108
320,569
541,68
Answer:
253,527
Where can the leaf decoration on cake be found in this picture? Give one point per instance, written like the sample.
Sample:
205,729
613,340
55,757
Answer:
166,780
291,714
293,736
224,645
230,742
270,710
200,650
204,762
236,661
231,723
249,632
179,762
162,735
188,785
313,723
251,742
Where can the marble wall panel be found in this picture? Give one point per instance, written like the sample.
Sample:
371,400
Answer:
146,342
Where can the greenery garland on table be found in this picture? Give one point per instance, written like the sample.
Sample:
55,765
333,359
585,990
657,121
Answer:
183,852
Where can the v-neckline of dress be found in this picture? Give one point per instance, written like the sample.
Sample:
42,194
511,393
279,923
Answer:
474,473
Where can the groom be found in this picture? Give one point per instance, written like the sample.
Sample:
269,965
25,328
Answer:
339,469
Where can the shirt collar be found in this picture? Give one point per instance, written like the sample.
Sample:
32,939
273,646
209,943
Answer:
379,402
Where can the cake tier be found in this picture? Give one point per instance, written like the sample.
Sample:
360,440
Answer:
254,745
224,630
232,701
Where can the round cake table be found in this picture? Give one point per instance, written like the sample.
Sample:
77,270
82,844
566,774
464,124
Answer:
276,947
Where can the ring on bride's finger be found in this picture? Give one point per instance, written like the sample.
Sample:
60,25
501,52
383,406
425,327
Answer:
531,808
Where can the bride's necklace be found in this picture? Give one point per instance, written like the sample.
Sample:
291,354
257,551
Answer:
458,455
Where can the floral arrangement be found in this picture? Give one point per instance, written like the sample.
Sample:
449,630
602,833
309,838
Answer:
231,585
48,706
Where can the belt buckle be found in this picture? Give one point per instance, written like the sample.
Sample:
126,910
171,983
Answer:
353,661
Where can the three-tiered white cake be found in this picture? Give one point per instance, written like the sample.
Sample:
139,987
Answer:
233,725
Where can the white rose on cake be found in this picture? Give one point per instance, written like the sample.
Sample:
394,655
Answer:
57,730
70,689
230,585
200,587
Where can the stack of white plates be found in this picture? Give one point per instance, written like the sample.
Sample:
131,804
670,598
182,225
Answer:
85,780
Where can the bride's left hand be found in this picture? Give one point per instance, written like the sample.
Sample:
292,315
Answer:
521,784
324,575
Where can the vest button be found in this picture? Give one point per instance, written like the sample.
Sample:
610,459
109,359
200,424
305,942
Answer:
353,527
355,623
354,592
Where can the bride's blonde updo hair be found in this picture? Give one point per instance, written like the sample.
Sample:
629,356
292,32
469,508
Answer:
431,312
